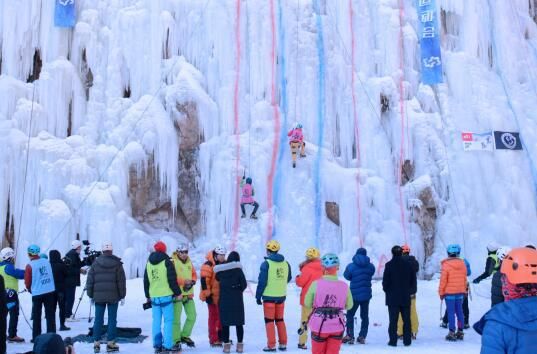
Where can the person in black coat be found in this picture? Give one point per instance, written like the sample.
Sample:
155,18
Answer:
72,281
231,305
3,316
59,272
399,282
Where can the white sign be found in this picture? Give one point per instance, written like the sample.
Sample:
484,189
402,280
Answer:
481,141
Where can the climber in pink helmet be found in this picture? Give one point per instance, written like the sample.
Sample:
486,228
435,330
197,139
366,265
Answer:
296,142
247,197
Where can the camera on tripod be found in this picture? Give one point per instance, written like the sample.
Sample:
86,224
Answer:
91,255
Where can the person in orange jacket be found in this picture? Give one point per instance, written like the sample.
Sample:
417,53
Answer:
310,270
452,288
210,293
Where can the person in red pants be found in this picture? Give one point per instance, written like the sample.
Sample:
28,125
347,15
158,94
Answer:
328,297
271,292
210,293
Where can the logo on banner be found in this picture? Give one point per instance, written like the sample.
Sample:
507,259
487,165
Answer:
509,140
66,2
431,62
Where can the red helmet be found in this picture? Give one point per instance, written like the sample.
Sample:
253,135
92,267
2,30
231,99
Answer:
520,266
405,248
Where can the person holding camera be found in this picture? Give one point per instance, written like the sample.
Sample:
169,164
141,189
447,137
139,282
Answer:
106,286
186,279
72,281
161,290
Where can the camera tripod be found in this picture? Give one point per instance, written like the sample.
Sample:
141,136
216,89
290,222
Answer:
79,301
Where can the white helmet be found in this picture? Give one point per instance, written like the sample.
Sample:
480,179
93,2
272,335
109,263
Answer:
502,252
493,247
183,247
107,246
75,244
220,250
7,253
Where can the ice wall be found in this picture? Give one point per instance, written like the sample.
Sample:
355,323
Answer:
107,89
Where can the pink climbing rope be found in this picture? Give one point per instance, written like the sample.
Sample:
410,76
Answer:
356,123
277,125
236,122
402,110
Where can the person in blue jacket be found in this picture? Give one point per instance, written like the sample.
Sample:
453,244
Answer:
359,273
511,326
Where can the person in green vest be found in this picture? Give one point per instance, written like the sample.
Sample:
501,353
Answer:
161,290
11,277
493,263
271,292
186,279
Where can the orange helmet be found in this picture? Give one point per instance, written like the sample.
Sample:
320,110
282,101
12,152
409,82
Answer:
406,248
520,266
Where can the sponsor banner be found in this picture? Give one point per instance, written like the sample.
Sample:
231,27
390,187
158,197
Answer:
429,37
478,141
65,14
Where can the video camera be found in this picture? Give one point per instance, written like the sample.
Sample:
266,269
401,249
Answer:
91,255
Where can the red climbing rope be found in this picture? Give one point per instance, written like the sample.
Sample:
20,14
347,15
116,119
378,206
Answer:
236,129
356,123
402,111
277,125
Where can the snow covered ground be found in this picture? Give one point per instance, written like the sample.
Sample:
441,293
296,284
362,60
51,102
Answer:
430,337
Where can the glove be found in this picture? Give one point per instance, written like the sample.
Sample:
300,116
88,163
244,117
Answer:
476,281
122,302
209,300
259,302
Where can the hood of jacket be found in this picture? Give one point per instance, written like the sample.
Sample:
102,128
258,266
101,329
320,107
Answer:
275,257
520,313
108,261
227,266
55,256
156,257
360,260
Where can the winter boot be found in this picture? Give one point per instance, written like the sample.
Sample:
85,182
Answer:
302,346
15,339
158,350
460,335
216,344
112,347
253,216
348,340
63,327
282,347
466,326
451,337
96,347
227,348
361,340
267,349
240,347
189,342
414,336
443,324
294,164
243,216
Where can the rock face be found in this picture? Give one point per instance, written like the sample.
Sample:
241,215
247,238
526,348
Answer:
425,217
149,205
332,212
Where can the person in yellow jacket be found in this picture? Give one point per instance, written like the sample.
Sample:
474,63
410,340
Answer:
186,279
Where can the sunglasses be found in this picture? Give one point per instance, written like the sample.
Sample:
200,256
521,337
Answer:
183,252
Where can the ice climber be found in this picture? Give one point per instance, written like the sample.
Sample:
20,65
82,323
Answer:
11,277
452,288
161,290
296,142
492,265
511,326
310,270
359,273
271,292
328,298
210,293
39,281
247,197
496,294
186,279
414,320
231,306
399,283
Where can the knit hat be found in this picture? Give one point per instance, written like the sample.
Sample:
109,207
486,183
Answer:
107,246
160,247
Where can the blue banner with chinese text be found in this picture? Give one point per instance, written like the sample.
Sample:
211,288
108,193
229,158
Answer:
429,36
64,13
